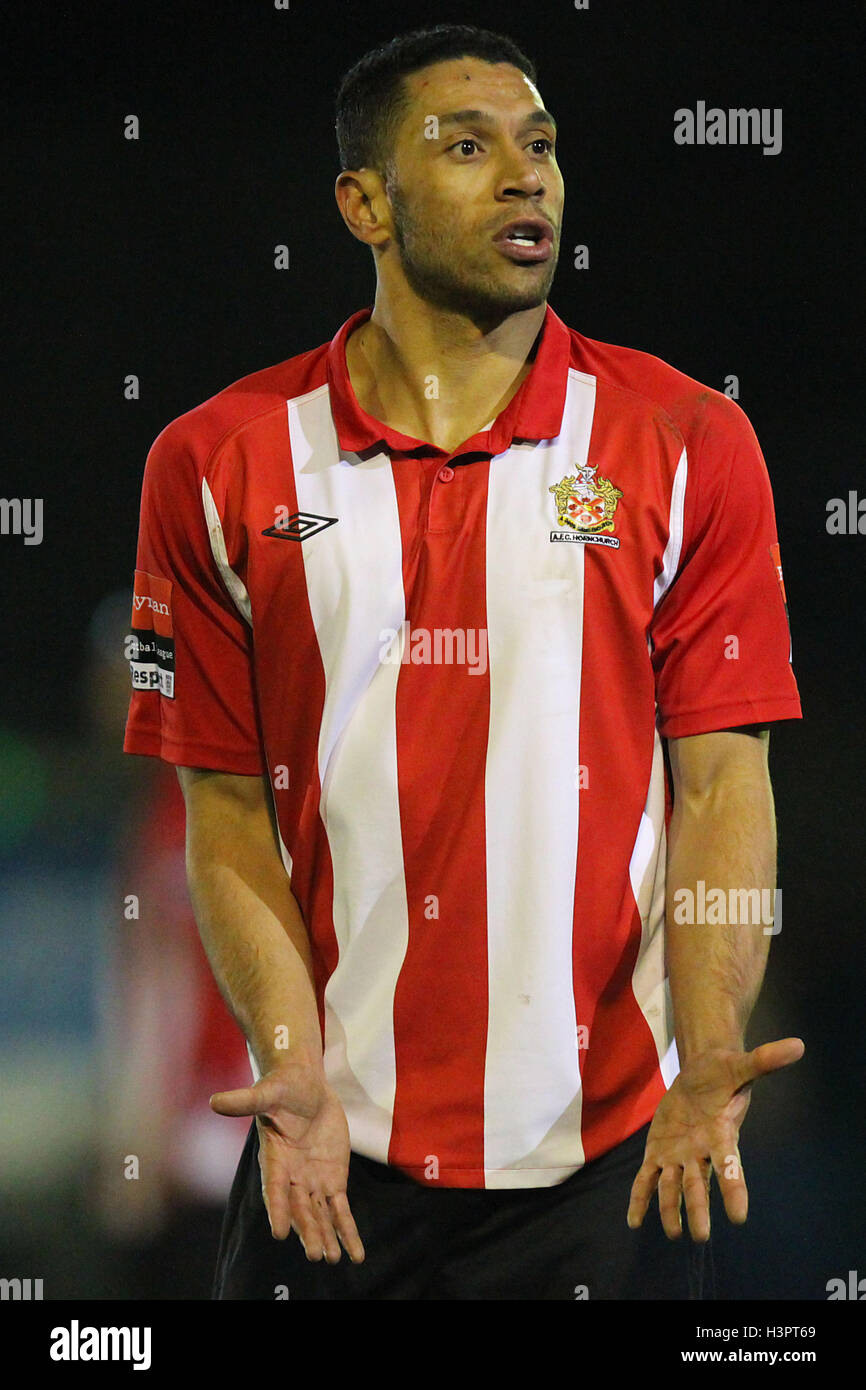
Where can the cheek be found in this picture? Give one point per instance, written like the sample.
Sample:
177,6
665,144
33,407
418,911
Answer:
439,222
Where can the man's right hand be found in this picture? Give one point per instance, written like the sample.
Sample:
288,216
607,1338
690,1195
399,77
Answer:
304,1158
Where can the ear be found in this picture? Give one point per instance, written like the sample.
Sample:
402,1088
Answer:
364,205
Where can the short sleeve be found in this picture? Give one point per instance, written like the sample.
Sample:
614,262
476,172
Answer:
193,692
721,641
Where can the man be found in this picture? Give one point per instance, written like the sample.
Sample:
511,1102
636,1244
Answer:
439,598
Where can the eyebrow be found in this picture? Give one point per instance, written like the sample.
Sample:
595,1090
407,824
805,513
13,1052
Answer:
470,116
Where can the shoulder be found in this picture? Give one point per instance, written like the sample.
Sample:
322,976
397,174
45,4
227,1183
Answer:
197,434
699,412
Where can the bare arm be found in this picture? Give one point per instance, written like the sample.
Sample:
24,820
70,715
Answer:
722,832
248,917
254,935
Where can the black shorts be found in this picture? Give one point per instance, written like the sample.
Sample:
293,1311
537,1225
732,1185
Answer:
568,1241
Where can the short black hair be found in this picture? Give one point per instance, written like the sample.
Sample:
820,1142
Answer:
372,98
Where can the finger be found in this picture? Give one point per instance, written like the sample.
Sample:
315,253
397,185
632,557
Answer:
642,1190
278,1209
771,1056
696,1176
275,1196
278,1203
327,1235
732,1184
344,1225
306,1223
267,1093
248,1100
670,1201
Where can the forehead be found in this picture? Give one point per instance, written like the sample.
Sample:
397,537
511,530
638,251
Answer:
463,82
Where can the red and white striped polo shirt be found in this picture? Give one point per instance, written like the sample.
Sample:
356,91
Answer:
457,671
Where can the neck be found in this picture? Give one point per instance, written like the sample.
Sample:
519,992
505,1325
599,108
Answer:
436,375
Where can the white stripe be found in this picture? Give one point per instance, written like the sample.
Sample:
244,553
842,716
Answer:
234,584
647,866
647,874
671,557
532,1090
354,582
238,592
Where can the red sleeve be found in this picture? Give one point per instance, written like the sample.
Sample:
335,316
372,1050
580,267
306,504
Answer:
193,701
721,640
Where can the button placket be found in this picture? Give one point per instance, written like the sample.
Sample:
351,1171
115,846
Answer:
444,507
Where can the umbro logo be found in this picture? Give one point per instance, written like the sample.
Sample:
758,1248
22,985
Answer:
299,526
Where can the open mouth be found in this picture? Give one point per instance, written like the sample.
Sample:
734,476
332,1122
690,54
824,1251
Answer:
526,240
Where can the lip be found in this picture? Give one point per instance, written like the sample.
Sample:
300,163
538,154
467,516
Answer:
540,251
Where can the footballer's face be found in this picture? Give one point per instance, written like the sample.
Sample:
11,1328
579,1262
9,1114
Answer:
475,191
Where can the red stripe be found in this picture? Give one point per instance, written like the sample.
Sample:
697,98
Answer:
292,693
620,1074
442,718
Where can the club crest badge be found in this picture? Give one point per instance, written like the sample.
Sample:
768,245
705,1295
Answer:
585,508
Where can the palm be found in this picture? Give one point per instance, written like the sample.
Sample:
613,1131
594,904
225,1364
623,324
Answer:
702,1110
310,1152
695,1131
304,1154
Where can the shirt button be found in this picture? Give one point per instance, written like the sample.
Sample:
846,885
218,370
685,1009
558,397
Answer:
446,474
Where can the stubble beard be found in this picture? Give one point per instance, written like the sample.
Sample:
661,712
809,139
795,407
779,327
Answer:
440,274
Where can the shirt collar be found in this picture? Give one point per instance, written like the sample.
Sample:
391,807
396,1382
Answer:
534,412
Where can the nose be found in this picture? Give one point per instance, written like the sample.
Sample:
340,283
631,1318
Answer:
524,177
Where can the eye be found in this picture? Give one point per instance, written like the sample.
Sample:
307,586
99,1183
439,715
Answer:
467,140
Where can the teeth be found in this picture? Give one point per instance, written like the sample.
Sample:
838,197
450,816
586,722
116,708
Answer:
522,240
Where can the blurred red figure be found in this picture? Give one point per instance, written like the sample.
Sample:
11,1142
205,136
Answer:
167,1161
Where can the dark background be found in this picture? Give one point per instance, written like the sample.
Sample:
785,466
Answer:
155,257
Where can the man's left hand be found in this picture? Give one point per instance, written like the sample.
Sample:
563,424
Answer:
695,1130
